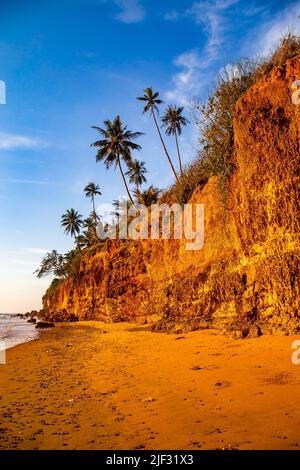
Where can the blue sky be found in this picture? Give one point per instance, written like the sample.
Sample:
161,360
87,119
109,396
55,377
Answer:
70,64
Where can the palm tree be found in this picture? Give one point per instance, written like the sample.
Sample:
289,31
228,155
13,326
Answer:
116,144
69,256
153,101
91,191
136,173
121,207
174,121
148,196
71,221
84,240
90,222
52,263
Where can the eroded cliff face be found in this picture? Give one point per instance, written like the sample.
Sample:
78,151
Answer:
246,279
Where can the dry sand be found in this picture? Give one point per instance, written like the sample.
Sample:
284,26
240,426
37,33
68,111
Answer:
120,386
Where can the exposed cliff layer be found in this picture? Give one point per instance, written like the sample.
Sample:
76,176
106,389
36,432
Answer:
246,279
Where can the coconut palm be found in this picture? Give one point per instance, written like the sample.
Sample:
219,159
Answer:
72,221
174,121
152,102
121,206
70,255
52,263
91,191
84,240
148,196
136,172
116,145
90,222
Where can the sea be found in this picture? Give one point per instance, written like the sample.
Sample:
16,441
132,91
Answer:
14,330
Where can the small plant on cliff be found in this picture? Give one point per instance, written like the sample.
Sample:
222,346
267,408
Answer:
173,120
136,173
72,221
91,191
116,145
152,101
193,176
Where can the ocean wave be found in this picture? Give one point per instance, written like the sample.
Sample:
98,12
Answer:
5,329
14,330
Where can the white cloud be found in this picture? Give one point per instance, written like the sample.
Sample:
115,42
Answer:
186,82
212,17
131,11
286,20
13,141
171,15
23,181
189,81
37,251
189,60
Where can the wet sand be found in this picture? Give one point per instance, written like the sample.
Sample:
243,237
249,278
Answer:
96,386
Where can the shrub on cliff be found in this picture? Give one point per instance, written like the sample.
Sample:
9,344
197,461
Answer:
215,122
288,47
193,175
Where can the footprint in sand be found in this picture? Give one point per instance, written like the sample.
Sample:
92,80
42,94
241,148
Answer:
282,378
222,384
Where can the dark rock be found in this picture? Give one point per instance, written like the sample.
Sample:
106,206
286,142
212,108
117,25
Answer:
44,324
72,318
21,315
240,330
31,320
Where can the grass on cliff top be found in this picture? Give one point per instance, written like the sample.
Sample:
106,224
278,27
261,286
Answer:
214,121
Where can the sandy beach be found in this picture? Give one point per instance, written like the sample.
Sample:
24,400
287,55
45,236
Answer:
120,386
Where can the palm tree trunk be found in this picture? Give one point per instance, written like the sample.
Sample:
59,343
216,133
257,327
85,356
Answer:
178,153
164,147
94,213
124,180
77,244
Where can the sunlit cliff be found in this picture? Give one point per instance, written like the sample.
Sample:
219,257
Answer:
246,279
